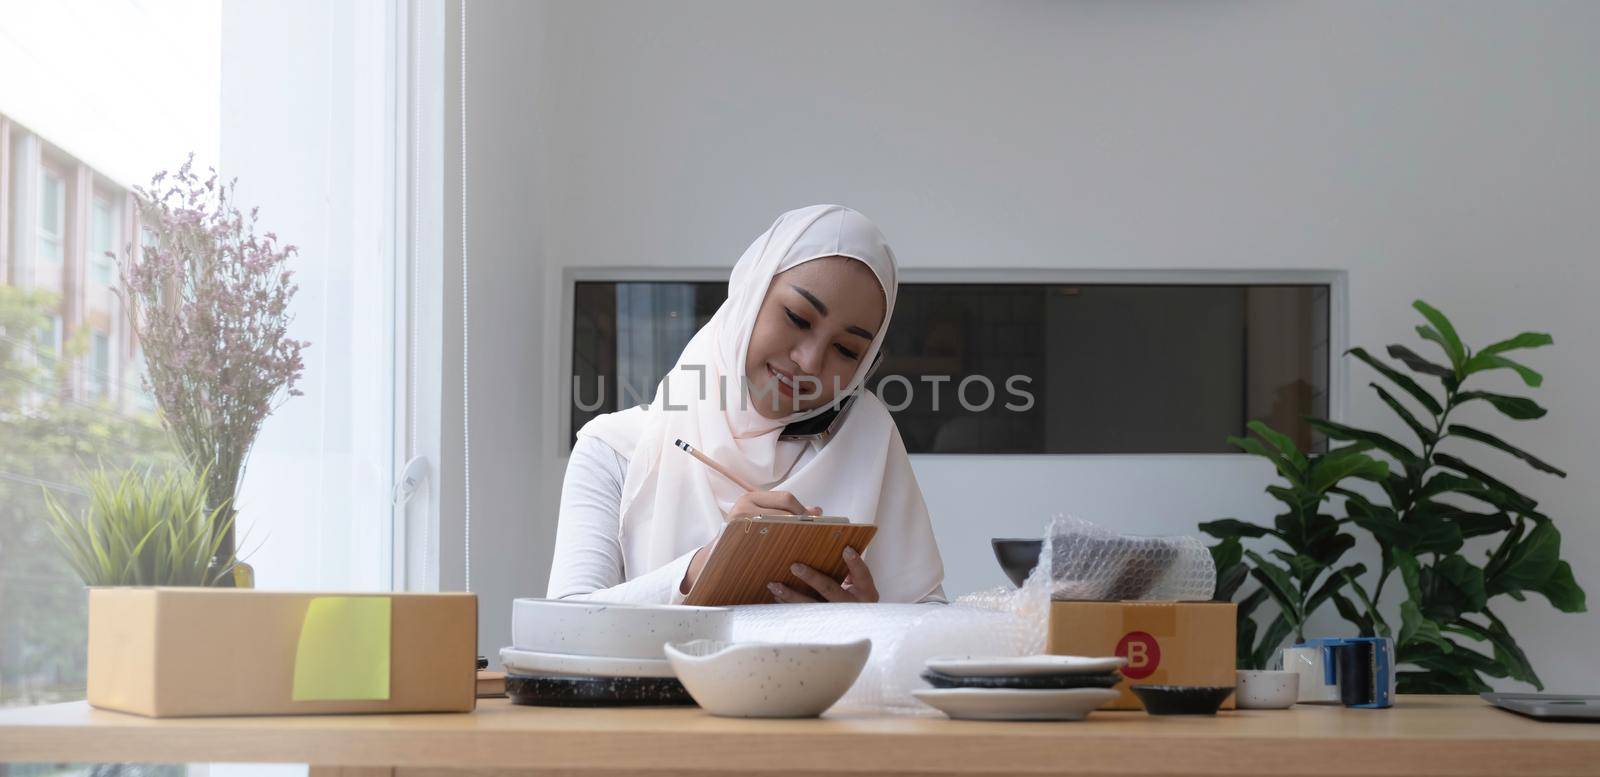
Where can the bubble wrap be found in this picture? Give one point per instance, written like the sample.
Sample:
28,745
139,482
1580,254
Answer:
994,622
1094,563
1086,560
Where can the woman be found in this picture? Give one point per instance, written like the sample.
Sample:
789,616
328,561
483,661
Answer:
808,306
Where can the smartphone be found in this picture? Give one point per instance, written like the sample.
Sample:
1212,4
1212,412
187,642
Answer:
822,425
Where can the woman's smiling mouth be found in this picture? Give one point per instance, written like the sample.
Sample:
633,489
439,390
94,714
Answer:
786,384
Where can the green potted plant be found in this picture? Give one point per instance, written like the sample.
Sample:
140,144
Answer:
141,528
1437,500
1430,502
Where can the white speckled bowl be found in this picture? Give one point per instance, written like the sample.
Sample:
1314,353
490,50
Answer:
767,680
612,630
1266,690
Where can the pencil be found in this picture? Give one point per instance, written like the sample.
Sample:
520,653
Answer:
724,471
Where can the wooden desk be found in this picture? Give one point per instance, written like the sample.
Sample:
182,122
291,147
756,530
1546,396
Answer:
1424,735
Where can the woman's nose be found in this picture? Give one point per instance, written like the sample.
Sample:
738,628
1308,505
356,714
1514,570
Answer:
808,356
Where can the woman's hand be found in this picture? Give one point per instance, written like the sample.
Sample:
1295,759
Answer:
751,504
857,586
754,503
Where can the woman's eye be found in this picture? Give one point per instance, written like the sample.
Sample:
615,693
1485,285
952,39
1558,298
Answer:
848,354
796,320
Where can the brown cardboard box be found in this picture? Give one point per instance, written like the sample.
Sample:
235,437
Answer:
1166,643
167,652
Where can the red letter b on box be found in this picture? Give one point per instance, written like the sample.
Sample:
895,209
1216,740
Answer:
1143,654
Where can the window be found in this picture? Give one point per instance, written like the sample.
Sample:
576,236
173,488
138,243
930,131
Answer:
52,216
1022,368
314,507
49,344
627,335
102,266
100,366
138,383
81,116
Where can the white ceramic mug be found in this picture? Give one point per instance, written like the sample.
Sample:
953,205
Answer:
1266,689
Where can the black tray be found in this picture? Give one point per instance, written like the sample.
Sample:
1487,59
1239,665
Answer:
596,691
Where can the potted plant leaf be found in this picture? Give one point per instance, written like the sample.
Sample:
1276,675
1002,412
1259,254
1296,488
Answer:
140,528
1306,543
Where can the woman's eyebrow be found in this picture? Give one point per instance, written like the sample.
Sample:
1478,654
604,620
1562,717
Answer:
823,309
812,298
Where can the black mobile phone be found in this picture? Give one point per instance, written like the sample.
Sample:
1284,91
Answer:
821,426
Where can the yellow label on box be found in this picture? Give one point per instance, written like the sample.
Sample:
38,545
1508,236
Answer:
343,653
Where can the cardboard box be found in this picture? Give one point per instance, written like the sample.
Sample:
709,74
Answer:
1166,643
167,652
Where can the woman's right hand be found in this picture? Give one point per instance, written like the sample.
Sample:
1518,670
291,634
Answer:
754,503
751,504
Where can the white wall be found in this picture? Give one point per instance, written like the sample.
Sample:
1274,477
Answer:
1437,150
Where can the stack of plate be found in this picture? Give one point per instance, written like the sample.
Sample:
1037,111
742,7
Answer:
1020,687
591,654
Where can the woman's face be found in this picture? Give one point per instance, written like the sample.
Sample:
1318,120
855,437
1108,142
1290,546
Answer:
813,330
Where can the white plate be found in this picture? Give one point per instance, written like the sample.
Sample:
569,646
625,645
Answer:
1016,704
534,662
585,628
1018,666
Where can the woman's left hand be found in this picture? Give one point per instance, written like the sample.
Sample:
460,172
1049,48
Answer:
857,585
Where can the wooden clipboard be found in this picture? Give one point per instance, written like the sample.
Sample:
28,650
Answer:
752,552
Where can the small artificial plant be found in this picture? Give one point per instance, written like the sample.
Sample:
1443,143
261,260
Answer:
141,528
1428,505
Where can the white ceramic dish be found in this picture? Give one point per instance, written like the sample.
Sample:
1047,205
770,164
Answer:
611,630
1016,704
1023,666
1266,690
532,662
767,680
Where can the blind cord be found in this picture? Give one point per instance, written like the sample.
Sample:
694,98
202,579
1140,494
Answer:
416,259
466,344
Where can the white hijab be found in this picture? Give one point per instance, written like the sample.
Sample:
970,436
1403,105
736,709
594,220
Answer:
672,504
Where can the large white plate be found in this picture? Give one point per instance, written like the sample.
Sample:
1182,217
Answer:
534,662
586,628
1020,666
1016,704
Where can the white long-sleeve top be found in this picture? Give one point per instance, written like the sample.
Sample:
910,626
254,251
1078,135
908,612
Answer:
588,557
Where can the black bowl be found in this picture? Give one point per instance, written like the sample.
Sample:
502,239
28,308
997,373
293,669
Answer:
1017,557
1182,699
